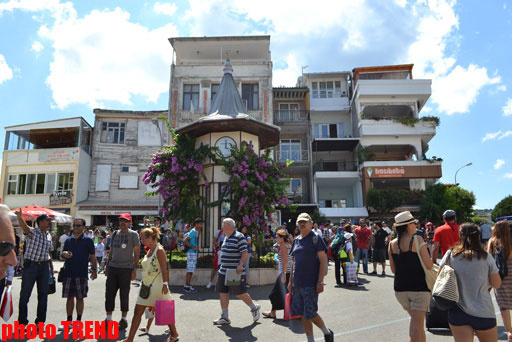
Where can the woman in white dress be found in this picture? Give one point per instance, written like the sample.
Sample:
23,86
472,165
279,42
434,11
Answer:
154,274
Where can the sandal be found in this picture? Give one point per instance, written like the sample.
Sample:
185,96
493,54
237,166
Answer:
144,330
268,315
173,339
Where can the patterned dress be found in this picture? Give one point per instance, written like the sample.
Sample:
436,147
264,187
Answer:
151,275
504,293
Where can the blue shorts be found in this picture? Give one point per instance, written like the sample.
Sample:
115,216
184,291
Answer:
305,302
457,317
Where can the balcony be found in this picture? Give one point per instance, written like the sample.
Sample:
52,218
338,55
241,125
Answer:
393,90
394,127
355,212
291,115
329,104
299,156
335,166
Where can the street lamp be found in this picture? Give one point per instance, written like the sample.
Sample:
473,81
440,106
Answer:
463,166
155,122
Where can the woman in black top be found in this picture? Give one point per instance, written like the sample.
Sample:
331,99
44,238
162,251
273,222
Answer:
411,289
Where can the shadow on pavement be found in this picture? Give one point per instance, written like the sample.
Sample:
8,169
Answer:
295,325
256,292
239,334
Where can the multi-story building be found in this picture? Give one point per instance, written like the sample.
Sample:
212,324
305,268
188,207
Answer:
47,163
336,183
123,143
387,102
291,114
195,76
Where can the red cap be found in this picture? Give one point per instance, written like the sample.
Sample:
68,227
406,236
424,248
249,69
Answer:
126,216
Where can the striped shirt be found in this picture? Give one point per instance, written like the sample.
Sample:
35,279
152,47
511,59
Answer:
38,245
280,259
231,252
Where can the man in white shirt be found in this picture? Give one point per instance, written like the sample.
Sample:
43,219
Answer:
62,239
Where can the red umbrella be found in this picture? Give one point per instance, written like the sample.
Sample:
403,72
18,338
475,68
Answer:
31,212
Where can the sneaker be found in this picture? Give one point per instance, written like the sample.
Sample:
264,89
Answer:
374,272
222,321
383,273
329,337
209,285
190,289
61,327
256,313
123,324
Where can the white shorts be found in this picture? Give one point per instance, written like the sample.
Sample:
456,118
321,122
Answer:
191,261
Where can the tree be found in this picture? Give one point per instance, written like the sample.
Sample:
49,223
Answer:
503,208
440,197
385,200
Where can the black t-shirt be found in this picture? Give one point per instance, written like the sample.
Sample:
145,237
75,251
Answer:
380,238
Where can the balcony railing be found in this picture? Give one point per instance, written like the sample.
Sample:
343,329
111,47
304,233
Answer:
334,166
290,115
299,156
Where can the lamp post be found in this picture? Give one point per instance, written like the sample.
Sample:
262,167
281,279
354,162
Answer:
463,166
155,122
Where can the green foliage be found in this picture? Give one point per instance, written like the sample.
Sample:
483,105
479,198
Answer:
406,121
477,220
503,208
433,119
385,200
440,197
179,261
364,153
318,217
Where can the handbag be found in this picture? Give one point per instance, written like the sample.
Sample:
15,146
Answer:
164,312
60,276
430,275
145,290
351,269
288,308
51,285
446,290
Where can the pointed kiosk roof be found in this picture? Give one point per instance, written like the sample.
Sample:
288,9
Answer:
228,114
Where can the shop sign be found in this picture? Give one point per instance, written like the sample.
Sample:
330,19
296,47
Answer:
61,154
386,172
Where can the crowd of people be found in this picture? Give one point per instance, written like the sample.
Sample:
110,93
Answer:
479,256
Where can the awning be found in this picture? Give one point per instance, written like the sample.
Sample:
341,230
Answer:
345,212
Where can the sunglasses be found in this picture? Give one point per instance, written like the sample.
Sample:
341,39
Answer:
78,225
123,220
6,247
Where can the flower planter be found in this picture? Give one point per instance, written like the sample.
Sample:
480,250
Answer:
257,276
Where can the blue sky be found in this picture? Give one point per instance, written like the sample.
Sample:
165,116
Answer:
62,59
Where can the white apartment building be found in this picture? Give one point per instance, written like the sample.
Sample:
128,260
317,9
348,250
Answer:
336,183
195,75
387,102
47,163
122,145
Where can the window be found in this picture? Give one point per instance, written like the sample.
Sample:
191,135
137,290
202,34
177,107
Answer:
103,173
65,181
250,96
214,89
112,132
333,203
125,168
11,184
190,97
294,186
290,150
337,89
328,130
40,183
288,111
22,179
315,90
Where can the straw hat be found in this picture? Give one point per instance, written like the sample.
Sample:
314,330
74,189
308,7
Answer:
404,218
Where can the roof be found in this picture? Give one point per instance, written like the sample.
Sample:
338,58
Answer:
114,112
59,123
290,92
228,114
217,38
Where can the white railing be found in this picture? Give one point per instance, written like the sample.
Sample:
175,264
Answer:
299,156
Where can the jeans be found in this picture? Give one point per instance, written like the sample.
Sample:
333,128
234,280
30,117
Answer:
118,279
34,272
362,254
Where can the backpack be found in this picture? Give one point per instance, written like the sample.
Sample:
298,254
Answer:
501,262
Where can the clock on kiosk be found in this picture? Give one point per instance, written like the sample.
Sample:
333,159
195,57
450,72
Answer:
224,145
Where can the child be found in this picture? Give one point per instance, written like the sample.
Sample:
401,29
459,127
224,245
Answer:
349,253
100,251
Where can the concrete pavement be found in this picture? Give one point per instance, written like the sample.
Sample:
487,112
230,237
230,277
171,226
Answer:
369,312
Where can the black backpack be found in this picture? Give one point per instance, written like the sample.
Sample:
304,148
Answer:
501,262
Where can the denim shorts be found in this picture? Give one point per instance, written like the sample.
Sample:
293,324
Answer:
305,302
458,317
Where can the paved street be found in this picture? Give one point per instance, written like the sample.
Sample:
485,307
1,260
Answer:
368,313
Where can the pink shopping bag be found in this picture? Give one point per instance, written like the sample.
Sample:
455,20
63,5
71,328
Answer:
164,312
288,308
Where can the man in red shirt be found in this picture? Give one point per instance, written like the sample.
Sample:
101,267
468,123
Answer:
445,236
363,236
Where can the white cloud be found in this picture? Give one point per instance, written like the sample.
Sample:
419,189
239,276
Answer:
456,91
508,175
507,108
499,163
165,8
496,135
37,47
5,71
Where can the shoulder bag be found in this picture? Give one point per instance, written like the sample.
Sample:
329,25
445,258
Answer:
430,275
145,290
446,290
